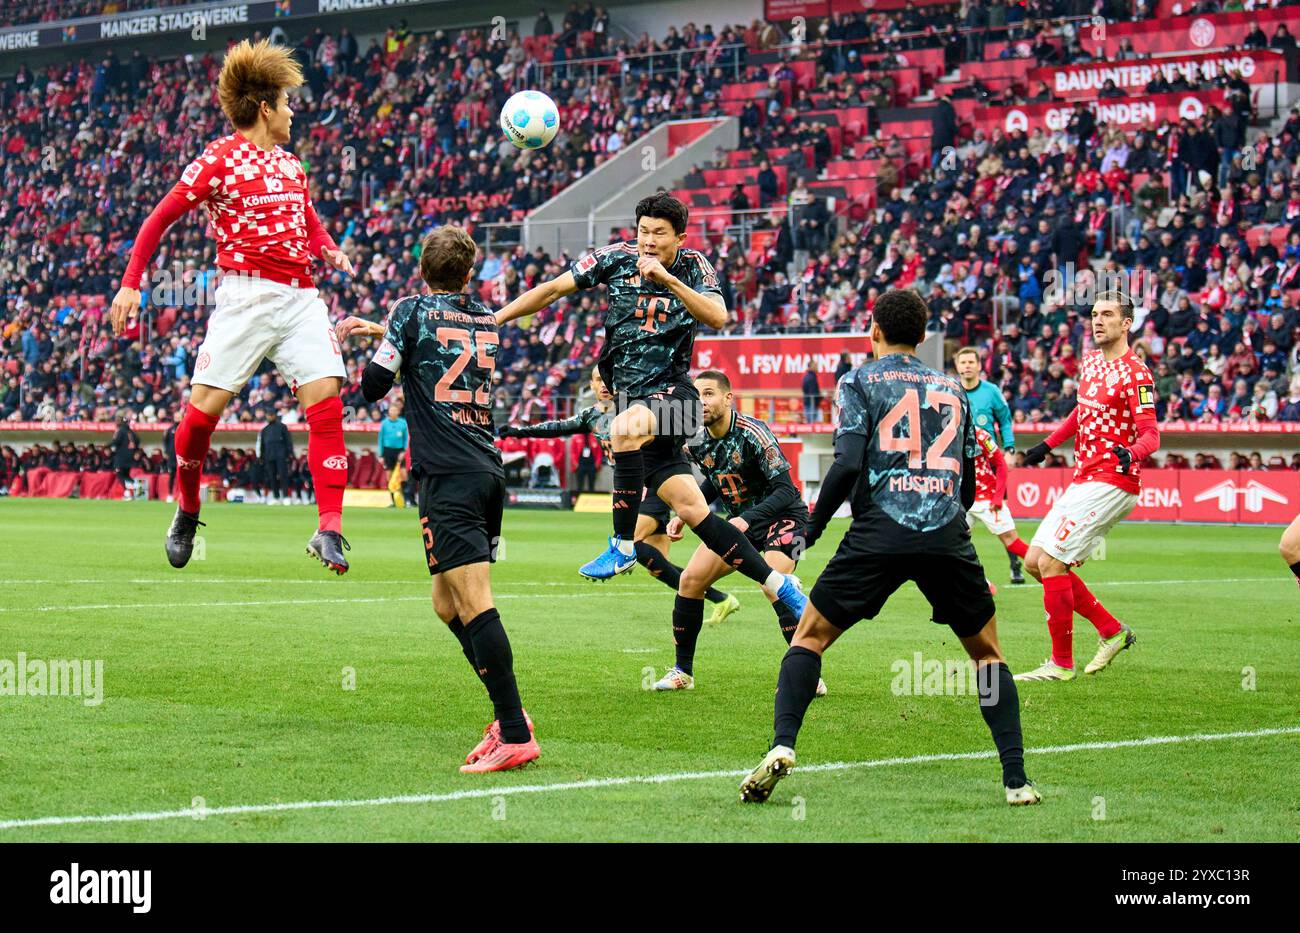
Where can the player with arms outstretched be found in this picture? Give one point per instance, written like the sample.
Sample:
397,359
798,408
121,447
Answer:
905,451
651,541
743,466
268,235
659,293
1115,420
990,497
444,345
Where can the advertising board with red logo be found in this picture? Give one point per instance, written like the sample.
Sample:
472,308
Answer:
1265,497
778,363
1122,112
1183,34
1086,81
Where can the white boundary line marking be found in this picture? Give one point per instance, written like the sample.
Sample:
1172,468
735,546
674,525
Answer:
158,815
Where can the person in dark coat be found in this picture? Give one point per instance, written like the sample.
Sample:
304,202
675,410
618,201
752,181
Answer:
275,448
812,394
125,444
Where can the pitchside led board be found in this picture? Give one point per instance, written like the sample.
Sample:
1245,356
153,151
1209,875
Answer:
1252,497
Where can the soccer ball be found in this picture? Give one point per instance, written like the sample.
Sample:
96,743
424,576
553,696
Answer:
530,119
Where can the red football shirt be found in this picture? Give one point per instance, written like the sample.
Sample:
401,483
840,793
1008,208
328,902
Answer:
1114,398
989,463
259,206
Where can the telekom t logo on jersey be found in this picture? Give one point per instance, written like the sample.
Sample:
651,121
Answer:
1255,493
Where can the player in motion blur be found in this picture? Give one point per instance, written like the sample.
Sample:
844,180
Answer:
268,235
651,542
905,450
743,465
1115,420
990,413
659,292
990,497
1289,547
443,343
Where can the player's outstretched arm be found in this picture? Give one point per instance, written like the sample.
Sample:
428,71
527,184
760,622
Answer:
538,297
358,326
1000,474
1038,453
1006,427
126,303
561,427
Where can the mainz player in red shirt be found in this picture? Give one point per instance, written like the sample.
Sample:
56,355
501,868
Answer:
268,236
1114,425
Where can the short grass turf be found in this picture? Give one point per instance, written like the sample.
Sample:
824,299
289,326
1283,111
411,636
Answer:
225,682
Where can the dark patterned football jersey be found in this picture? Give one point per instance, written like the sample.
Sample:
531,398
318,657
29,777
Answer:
444,346
917,427
742,464
648,331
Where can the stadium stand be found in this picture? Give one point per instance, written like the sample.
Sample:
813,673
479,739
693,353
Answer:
889,149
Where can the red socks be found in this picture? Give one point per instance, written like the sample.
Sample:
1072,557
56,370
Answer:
193,437
1018,548
327,455
1058,600
1087,606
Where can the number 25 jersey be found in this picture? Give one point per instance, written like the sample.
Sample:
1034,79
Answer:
445,347
917,428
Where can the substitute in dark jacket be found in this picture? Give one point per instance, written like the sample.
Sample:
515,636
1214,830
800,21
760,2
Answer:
275,448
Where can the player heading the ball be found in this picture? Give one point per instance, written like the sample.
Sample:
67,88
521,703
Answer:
268,236
660,291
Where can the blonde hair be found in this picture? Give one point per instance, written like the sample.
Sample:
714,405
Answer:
252,74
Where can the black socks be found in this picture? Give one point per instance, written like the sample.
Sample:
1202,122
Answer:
666,572
1295,569
786,618
1000,706
495,665
730,544
796,686
467,646
688,619
629,482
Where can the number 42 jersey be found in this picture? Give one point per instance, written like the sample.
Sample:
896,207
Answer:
444,346
917,429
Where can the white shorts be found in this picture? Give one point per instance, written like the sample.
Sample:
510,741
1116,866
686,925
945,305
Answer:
255,319
998,523
1079,520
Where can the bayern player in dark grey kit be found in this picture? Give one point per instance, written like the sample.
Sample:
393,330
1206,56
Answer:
905,450
444,345
659,294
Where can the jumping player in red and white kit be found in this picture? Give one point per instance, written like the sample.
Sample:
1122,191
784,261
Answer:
1115,420
268,236
990,496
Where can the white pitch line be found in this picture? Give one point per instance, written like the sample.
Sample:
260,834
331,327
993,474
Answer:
595,783
88,607
225,581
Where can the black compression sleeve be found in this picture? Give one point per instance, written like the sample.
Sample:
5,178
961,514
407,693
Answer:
967,482
782,496
709,491
561,428
376,382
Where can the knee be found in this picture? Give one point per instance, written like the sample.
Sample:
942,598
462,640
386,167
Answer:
692,513
1290,550
692,585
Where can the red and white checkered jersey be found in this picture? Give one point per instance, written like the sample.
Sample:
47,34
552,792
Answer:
986,476
260,208
1113,397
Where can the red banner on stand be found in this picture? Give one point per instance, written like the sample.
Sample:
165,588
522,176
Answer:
1086,81
1122,112
777,363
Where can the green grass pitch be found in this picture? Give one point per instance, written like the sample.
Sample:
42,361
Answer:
226,682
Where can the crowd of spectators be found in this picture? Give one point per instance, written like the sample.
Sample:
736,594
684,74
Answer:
397,134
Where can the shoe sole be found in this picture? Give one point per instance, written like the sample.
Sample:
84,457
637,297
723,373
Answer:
758,788
339,569
1026,801
466,769
616,573
1128,643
